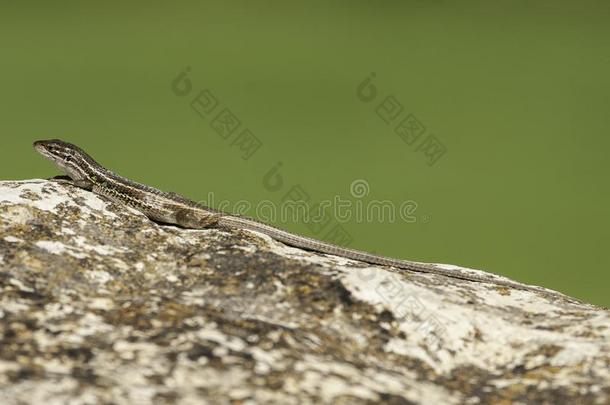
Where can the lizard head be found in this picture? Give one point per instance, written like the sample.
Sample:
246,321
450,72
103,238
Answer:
69,158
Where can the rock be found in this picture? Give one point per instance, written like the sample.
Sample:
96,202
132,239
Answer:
101,305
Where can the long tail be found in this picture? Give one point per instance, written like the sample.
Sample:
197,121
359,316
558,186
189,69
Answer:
315,245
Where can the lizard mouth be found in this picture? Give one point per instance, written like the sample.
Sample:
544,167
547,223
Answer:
38,145
40,148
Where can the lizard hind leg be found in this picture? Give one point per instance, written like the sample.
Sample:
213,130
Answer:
196,219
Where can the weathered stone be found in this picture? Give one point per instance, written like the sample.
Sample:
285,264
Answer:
100,305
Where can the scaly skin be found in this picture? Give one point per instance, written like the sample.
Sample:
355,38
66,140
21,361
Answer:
170,208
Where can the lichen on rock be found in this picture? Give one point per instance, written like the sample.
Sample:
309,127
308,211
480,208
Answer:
100,305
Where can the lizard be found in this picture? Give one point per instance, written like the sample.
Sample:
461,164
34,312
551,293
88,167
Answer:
170,208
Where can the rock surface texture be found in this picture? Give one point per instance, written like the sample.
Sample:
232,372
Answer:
100,305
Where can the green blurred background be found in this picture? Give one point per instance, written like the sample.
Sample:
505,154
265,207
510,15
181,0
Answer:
518,94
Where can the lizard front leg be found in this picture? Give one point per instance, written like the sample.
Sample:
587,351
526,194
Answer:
86,184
